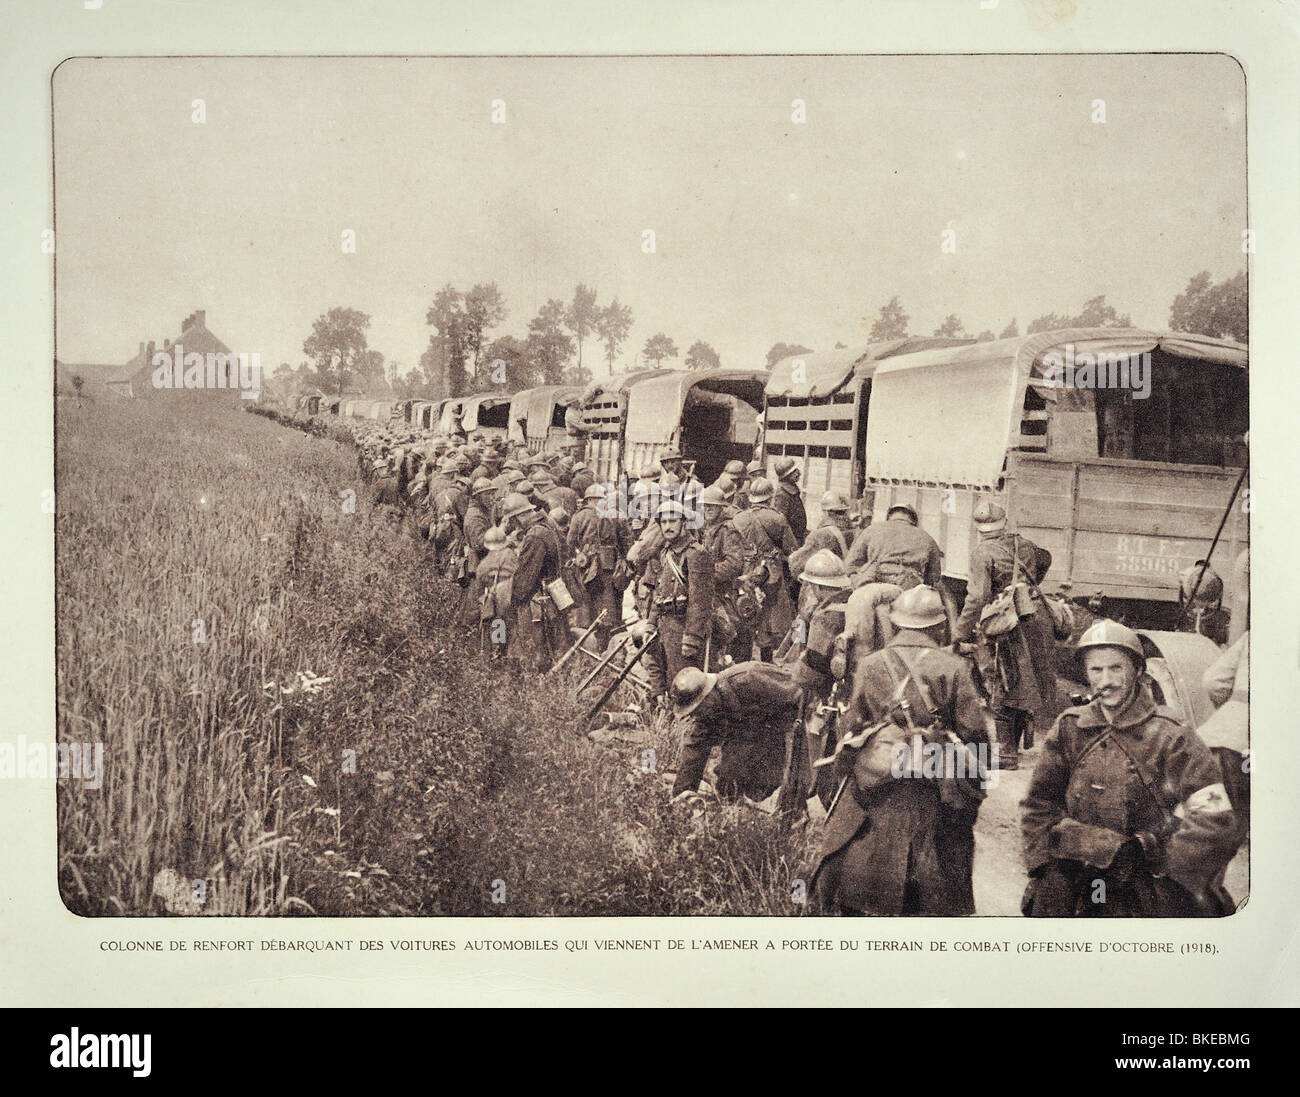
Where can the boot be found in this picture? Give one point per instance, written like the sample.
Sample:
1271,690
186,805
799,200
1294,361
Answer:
1008,739
765,654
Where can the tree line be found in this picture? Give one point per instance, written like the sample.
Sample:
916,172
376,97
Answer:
463,355
1203,308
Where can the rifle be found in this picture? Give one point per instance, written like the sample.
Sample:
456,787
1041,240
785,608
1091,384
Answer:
654,635
577,643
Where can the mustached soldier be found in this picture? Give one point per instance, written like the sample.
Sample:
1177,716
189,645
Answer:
681,600
1126,814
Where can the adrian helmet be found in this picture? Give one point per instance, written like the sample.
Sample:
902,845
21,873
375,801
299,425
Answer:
920,607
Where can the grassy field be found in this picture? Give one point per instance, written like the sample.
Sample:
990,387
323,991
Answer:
208,569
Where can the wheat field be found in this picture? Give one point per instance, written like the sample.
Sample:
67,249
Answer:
295,723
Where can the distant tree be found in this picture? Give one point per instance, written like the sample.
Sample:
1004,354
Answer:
702,356
336,345
410,385
449,344
841,346
370,370
512,353
581,316
951,328
613,323
1096,314
1220,311
658,347
484,309
890,323
1011,331
548,345
985,336
785,350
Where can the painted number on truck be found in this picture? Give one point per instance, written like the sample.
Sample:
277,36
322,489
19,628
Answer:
1150,555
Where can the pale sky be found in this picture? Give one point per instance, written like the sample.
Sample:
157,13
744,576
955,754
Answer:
766,230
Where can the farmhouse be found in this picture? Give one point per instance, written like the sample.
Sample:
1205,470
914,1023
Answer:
134,378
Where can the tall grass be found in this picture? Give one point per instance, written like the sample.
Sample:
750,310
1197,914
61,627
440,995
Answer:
205,561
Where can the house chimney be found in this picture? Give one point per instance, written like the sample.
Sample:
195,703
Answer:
185,324
200,315
167,344
140,353
149,360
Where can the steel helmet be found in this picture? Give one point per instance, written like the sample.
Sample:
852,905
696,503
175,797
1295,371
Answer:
825,569
713,496
833,502
989,517
920,607
735,469
754,468
670,454
690,687
514,505
559,516
783,467
760,490
1211,586
481,485
494,538
670,508
447,464
904,508
527,489
594,491
1105,633
511,476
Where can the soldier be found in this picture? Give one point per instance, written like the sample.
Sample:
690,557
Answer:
385,484
681,604
786,500
553,494
897,551
1200,602
724,544
752,472
1017,666
900,840
536,616
1126,813
768,545
451,503
820,666
491,592
581,480
478,517
600,542
831,533
746,709
670,464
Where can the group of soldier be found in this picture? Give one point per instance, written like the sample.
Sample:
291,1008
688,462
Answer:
836,671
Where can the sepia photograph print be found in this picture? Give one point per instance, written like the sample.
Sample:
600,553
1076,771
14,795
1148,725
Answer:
591,486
